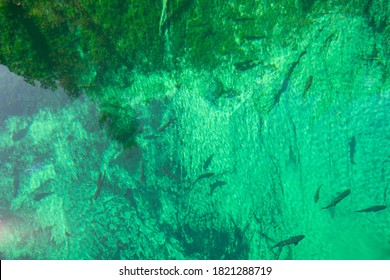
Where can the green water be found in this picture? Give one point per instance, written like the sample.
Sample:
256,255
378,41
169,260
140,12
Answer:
185,129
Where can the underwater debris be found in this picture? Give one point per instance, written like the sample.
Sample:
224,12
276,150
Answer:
352,149
307,87
208,162
216,184
375,208
41,196
292,240
246,65
99,184
317,194
203,176
338,199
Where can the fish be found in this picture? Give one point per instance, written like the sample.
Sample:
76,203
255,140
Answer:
352,149
16,185
150,137
277,255
254,38
338,198
292,240
99,184
375,208
280,91
285,82
243,19
292,156
371,58
208,161
216,184
170,174
16,181
168,123
307,87
36,167
129,195
203,176
143,174
41,196
291,70
19,135
246,65
328,41
317,194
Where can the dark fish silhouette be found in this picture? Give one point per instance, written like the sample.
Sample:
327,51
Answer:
317,194
99,184
246,65
254,38
16,181
19,135
292,240
307,87
352,149
129,195
143,174
36,167
375,208
285,82
292,156
16,185
203,176
170,174
41,196
208,162
243,19
216,184
338,198
150,137
165,126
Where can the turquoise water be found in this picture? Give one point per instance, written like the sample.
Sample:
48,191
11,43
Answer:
257,134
